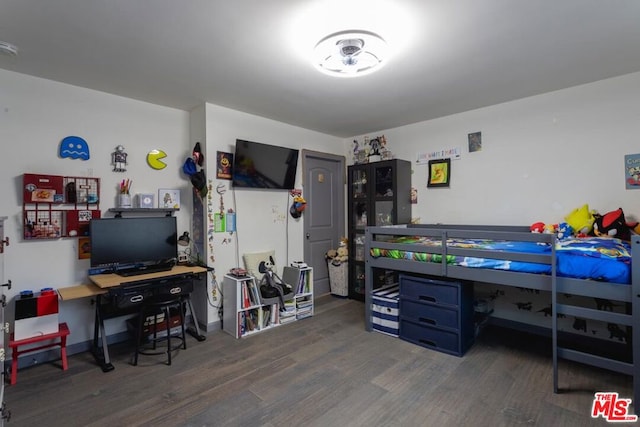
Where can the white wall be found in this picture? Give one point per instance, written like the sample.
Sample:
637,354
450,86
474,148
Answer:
541,157
35,114
263,220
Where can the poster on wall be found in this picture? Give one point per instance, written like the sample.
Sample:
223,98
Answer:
224,165
632,171
475,141
84,248
439,173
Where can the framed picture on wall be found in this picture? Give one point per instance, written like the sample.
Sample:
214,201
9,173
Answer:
439,173
224,165
169,198
475,141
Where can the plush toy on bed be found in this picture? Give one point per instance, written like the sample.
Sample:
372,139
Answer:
565,231
537,227
613,224
581,220
541,227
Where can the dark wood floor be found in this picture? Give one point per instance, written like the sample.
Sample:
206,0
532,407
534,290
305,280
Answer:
322,371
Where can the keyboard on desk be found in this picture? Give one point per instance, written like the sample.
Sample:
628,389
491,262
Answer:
147,269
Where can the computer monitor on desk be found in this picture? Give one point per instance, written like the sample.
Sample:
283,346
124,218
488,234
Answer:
134,245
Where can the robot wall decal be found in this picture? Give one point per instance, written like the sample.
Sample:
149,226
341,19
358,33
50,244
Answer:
119,159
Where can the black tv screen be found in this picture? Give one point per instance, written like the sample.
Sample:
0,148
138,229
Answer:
258,165
125,241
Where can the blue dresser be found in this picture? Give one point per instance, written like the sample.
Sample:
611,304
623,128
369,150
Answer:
437,314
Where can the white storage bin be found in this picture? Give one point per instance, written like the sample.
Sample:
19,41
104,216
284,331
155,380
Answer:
385,310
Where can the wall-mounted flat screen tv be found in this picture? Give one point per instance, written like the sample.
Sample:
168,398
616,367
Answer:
144,241
257,165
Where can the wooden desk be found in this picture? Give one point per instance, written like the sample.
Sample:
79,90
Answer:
106,281
80,291
105,285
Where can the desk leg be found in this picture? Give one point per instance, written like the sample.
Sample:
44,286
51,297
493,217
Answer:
195,332
103,359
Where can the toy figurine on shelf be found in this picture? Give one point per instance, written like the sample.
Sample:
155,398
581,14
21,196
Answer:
119,159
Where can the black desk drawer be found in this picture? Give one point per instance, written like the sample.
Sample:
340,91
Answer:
127,297
133,294
433,338
426,314
183,287
429,290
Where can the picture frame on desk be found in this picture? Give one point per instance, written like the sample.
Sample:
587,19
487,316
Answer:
169,198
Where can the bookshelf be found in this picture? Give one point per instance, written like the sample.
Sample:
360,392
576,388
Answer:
302,280
245,315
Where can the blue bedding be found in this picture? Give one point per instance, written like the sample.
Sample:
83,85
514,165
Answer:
597,258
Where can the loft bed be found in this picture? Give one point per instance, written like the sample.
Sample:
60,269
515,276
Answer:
513,256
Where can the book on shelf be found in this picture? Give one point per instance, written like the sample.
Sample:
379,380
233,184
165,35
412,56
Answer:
241,323
287,319
302,282
253,292
266,316
246,302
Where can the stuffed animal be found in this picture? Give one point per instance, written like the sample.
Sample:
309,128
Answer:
564,231
537,227
581,220
340,255
541,227
613,224
343,254
271,285
298,206
331,254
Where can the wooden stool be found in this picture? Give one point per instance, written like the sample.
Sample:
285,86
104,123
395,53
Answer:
156,307
63,331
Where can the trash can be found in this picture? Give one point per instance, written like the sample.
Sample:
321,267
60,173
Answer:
338,278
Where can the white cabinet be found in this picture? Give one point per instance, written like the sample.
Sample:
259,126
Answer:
245,314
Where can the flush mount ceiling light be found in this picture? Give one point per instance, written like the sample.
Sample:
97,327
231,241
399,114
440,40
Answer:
350,53
8,49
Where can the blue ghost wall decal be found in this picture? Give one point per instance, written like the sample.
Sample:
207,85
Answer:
74,147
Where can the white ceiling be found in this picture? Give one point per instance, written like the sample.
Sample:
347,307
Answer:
459,55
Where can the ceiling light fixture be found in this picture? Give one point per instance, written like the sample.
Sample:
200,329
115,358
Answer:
8,49
350,53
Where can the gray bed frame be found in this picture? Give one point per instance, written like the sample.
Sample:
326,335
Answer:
374,238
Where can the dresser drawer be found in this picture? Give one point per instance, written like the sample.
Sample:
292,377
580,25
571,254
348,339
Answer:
125,297
433,338
428,290
429,315
174,289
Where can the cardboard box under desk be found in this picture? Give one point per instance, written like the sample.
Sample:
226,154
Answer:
148,327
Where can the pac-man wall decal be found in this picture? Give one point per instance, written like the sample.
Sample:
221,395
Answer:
154,159
74,147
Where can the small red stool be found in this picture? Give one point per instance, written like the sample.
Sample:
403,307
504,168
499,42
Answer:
63,331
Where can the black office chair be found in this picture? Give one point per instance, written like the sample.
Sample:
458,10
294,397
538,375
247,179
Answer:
154,307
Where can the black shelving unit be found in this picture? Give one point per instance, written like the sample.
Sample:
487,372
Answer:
379,194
